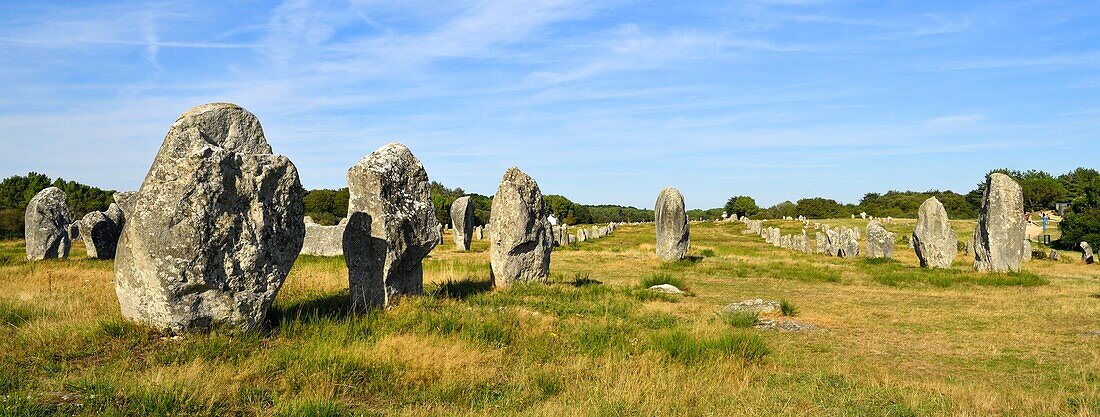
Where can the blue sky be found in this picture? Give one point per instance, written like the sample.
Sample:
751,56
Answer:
604,102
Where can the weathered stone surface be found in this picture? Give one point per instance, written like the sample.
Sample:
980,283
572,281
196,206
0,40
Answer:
933,239
126,200
214,228
754,306
1025,252
101,233
479,233
666,288
519,236
1086,253
821,243
324,240
1000,226
672,225
462,216
390,186
46,225
74,231
1054,255
880,242
848,245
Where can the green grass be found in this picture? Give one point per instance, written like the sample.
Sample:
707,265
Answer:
661,278
15,314
740,319
691,349
787,309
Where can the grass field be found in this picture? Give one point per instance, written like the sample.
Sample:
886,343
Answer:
896,340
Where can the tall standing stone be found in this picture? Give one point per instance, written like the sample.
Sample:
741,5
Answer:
46,225
880,242
933,239
462,216
390,186
214,228
1000,227
672,225
1086,253
519,235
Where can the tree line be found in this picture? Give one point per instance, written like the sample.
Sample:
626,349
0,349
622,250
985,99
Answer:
1079,189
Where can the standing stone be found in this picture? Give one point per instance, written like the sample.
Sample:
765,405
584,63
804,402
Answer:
46,225
933,239
390,188
126,200
324,240
672,225
214,228
479,233
1086,253
519,239
821,242
101,233
1025,251
74,231
1000,226
880,242
462,216
1054,255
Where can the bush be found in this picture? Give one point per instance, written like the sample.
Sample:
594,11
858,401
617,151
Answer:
1083,227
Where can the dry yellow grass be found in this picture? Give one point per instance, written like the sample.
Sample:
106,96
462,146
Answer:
899,340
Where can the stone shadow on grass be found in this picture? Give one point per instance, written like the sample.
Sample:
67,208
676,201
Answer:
324,306
461,289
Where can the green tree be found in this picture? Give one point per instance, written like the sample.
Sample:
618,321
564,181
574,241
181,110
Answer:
741,205
326,207
820,208
1041,193
781,210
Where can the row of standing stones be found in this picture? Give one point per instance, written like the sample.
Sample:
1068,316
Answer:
218,222
212,233
999,242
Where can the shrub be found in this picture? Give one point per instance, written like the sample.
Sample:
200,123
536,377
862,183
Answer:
707,253
787,308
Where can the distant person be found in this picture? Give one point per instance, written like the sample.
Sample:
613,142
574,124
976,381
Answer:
1045,218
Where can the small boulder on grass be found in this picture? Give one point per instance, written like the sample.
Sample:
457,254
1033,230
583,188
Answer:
666,288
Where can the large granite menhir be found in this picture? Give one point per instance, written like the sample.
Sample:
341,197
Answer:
389,200
214,228
1001,226
323,240
46,225
519,233
672,225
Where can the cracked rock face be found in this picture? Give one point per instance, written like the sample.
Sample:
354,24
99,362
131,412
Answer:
214,229
933,238
462,217
390,188
672,225
519,234
1001,226
46,225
